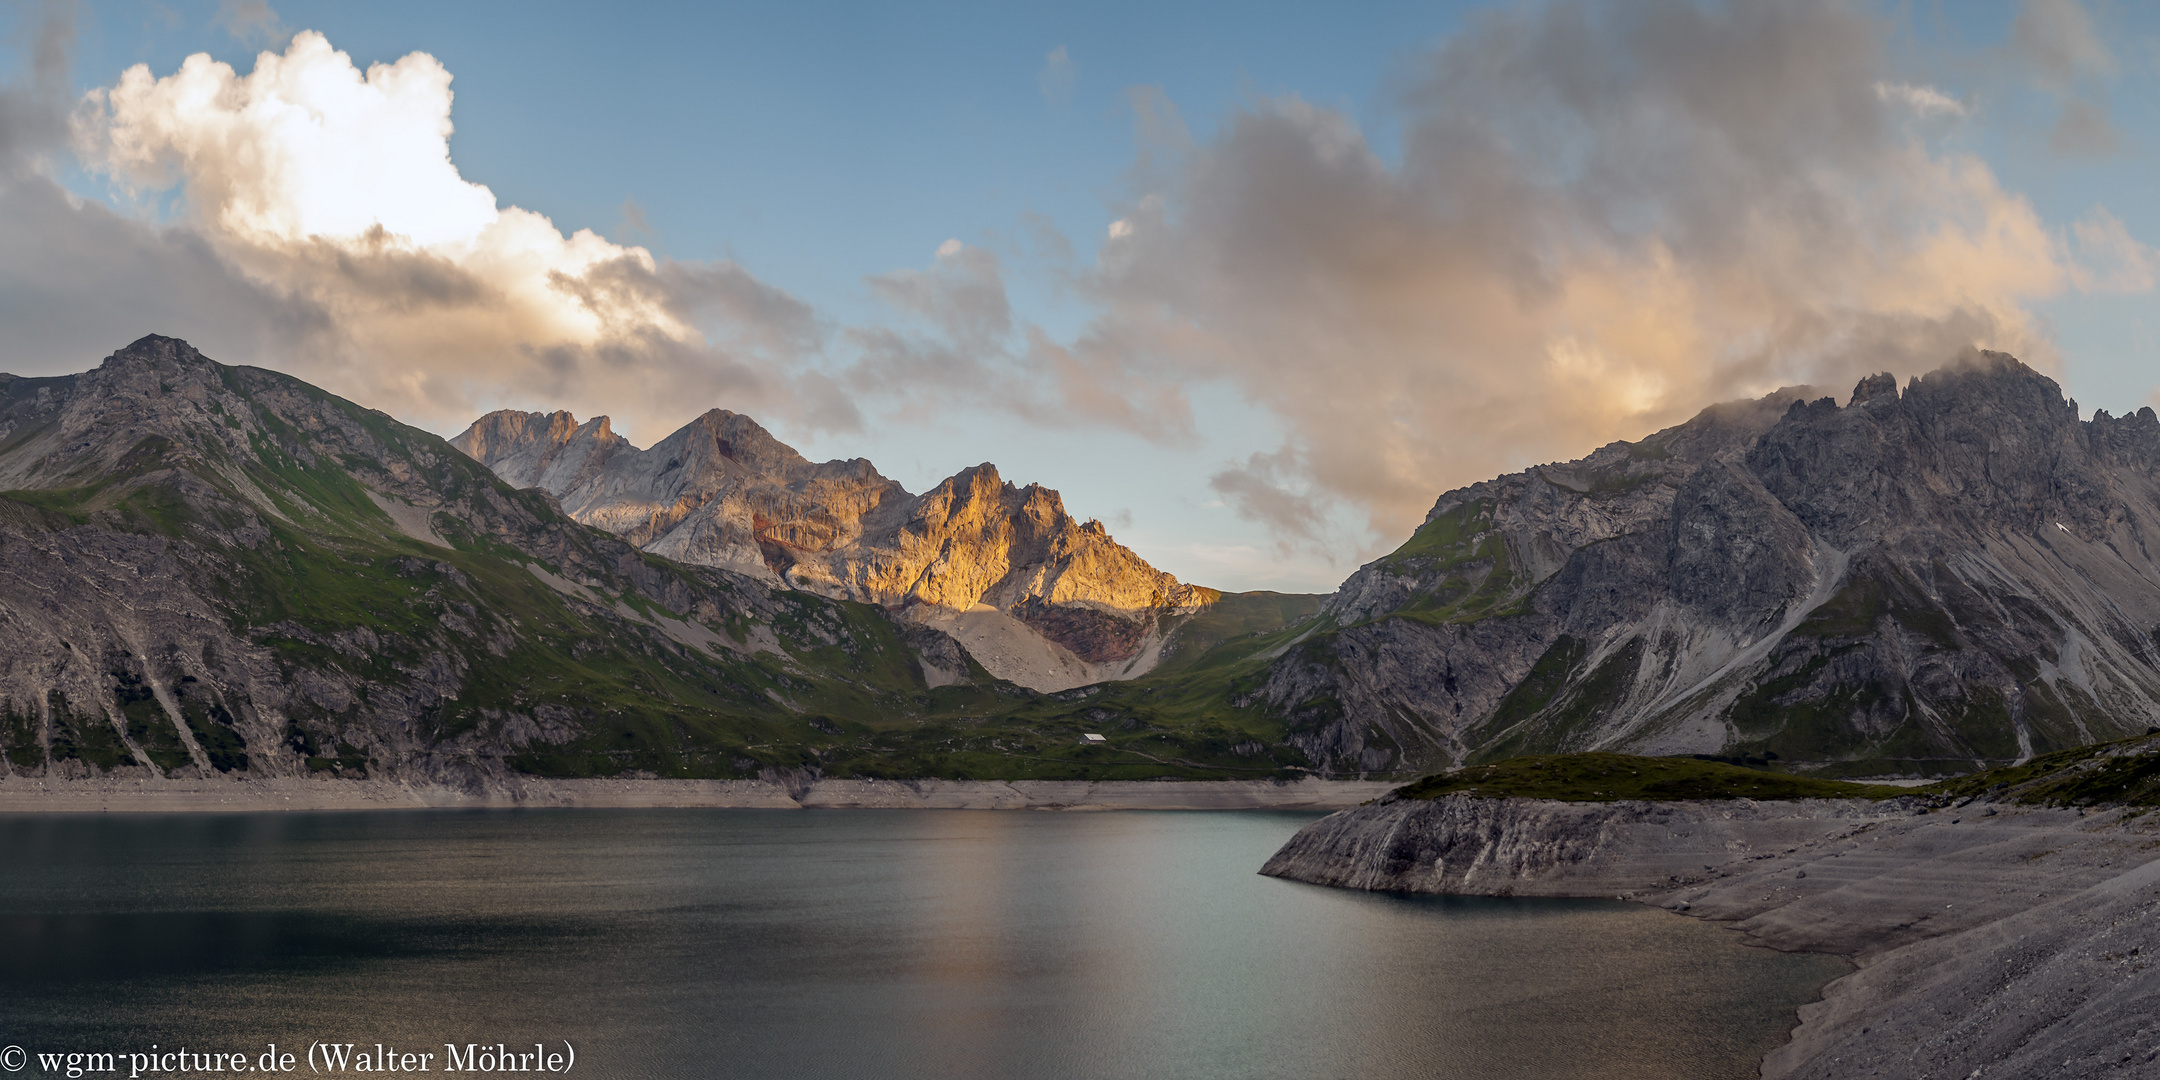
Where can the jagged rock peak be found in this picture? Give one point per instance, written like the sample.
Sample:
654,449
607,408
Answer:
722,491
1874,387
507,430
544,450
1922,581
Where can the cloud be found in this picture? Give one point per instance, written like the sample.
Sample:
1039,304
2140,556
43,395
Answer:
2083,130
631,215
2058,40
33,112
966,350
252,21
2059,47
327,193
1602,217
2110,260
1264,488
1924,101
1057,76
962,294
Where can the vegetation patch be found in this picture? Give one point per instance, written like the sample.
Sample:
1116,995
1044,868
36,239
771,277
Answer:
1603,777
20,733
2121,773
85,737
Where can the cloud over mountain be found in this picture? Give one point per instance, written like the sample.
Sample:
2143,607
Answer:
317,204
1600,217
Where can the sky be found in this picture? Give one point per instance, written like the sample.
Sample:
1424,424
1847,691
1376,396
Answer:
1251,283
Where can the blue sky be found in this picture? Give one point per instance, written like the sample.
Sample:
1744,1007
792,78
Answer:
817,146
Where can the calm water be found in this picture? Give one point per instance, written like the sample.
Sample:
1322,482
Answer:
850,943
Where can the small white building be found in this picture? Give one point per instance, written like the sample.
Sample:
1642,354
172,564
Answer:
1092,740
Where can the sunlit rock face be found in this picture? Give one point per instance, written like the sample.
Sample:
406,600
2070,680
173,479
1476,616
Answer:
723,492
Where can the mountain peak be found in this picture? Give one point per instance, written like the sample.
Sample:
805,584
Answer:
1872,388
1920,582
527,449
722,491
157,348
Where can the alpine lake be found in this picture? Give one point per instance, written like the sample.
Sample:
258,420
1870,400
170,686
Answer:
842,943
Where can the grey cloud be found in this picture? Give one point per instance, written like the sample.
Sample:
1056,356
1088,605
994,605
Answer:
2058,40
973,354
2083,130
1260,490
34,113
2058,45
1045,239
78,281
962,294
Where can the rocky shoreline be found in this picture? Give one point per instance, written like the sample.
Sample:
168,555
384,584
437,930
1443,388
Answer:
781,792
1990,940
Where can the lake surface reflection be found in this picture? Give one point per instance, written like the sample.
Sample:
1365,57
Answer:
853,943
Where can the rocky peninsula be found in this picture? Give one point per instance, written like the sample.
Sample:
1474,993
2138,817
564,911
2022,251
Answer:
1991,937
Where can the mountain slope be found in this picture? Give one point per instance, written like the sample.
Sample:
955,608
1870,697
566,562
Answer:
1933,581
212,570
1037,598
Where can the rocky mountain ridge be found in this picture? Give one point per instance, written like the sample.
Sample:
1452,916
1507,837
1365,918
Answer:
211,569
217,572
1925,581
1037,597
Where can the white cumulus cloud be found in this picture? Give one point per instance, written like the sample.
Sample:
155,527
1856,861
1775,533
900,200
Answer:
333,188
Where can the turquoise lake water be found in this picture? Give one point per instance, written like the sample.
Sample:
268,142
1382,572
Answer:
852,943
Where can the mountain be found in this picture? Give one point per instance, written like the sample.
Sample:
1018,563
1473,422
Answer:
1928,581
1036,597
209,570
213,570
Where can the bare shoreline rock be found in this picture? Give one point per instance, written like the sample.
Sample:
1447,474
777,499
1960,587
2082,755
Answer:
1990,940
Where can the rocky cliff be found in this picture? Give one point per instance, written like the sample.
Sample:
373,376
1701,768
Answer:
1037,597
1920,581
